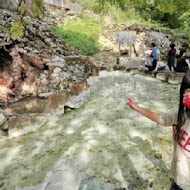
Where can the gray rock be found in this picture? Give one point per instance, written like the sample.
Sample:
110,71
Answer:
175,78
78,101
2,119
96,184
57,62
46,95
163,76
57,70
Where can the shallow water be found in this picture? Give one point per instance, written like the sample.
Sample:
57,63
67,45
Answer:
103,145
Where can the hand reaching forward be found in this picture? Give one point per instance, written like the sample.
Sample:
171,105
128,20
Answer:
147,113
131,103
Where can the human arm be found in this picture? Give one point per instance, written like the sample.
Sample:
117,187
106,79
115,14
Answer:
159,65
147,113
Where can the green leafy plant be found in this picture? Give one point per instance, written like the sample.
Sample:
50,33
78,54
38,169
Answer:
81,33
17,30
17,26
185,18
37,8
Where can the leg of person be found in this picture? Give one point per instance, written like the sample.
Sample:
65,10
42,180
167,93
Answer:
149,67
154,64
161,68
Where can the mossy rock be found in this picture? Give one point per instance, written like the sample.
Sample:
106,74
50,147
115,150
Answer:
163,76
175,78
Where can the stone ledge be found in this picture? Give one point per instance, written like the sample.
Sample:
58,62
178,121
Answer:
165,76
58,101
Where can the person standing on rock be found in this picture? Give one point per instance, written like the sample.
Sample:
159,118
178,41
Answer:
154,54
180,120
171,57
154,51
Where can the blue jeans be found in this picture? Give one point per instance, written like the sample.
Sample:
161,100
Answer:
174,186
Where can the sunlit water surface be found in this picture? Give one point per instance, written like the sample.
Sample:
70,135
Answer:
103,145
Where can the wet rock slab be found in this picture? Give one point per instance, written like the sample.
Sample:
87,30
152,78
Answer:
103,142
175,78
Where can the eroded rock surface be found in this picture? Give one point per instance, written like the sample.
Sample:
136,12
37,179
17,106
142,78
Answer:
102,145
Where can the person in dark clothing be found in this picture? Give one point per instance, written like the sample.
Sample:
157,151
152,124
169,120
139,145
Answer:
154,54
174,186
171,57
151,63
182,65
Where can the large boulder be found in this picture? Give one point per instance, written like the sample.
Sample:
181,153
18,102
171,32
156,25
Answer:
90,68
56,100
23,124
163,76
28,105
33,60
77,87
2,119
175,78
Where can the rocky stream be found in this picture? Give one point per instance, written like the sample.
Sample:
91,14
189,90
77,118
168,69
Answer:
103,145
63,117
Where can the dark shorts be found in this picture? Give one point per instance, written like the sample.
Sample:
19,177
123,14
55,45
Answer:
174,186
161,68
150,68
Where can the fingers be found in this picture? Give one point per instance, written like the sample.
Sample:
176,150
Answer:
129,101
128,98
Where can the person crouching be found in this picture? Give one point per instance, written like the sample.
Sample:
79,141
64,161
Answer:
150,64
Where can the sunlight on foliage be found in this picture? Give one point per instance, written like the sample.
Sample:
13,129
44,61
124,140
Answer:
36,6
81,34
170,14
17,30
23,9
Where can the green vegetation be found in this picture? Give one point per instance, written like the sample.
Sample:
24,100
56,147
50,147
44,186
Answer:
81,33
17,30
17,26
37,8
168,13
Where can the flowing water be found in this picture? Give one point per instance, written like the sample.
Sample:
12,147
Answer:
103,145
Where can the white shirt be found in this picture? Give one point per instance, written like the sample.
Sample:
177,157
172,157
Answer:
159,64
180,166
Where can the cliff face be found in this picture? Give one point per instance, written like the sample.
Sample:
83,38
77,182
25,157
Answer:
24,68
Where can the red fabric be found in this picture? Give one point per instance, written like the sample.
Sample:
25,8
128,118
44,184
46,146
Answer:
186,101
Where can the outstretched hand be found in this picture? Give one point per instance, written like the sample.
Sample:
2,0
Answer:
147,113
131,103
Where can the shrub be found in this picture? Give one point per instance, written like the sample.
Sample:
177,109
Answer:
82,34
